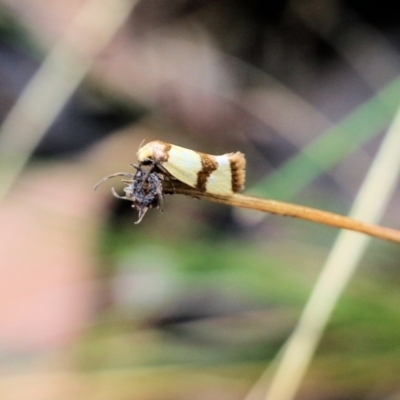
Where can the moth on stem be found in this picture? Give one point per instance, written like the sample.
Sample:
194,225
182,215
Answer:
171,169
159,161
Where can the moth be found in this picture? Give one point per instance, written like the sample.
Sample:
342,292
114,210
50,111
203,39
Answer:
159,161
219,175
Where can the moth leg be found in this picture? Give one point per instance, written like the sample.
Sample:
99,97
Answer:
113,176
142,212
171,181
115,194
160,198
137,167
148,172
155,166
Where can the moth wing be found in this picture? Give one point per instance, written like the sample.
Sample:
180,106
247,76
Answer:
184,165
220,180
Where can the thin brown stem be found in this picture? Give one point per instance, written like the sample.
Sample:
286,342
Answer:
289,210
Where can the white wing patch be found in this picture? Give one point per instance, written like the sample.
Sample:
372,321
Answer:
220,180
183,164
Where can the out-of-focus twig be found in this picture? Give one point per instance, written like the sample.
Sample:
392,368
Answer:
57,78
293,360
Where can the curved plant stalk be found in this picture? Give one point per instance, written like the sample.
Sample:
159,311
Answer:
289,210
253,203
295,356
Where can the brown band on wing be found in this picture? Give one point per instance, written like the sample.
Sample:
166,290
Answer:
208,167
238,165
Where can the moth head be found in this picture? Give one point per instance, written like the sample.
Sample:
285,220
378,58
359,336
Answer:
153,151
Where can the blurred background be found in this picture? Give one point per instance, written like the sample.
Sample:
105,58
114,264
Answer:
195,302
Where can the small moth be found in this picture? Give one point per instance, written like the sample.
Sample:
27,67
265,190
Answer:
175,166
220,175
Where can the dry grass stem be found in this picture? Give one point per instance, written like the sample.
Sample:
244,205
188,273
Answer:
289,210
296,355
58,77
